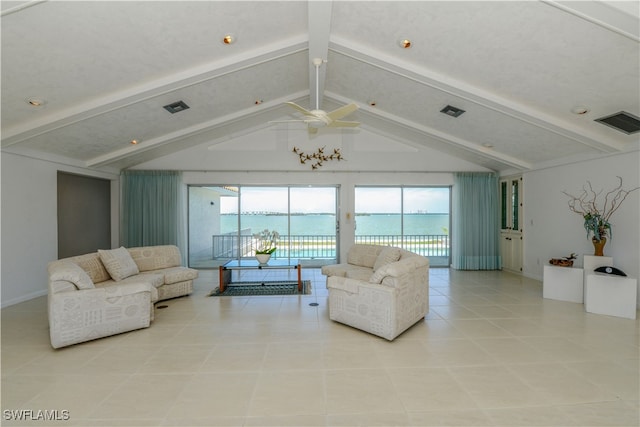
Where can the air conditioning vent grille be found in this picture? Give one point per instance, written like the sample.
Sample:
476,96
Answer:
176,107
622,121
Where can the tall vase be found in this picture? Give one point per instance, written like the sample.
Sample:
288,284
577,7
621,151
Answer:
598,246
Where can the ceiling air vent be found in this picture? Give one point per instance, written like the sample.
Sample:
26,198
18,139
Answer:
622,121
176,107
452,111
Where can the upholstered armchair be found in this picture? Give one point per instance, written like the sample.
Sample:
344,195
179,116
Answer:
393,298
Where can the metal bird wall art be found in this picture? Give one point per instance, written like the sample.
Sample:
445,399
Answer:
318,157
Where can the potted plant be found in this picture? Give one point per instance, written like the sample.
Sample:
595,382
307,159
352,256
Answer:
266,245
596,213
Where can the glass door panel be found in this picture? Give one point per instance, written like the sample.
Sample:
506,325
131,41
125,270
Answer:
313,228
213,225
425,222
265,208
414,218
378,214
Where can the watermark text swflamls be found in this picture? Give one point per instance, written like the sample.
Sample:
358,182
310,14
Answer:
36,415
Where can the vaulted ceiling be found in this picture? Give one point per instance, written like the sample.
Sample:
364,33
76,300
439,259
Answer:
531,76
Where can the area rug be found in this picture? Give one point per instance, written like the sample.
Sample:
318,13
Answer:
263,288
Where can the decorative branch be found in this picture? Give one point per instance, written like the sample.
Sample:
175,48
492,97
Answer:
596,219
316,159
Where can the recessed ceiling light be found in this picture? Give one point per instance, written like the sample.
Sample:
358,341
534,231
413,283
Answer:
404,43
487,145
134,141
259,101
229,39
35,102
372,102
579,110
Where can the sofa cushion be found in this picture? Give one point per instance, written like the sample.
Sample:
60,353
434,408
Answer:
359,273
386,256
177,274
364,255
118,263
151,277
378,275
92,265
70,272
335,270
398,268
149,258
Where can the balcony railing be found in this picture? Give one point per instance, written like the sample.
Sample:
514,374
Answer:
429,245
229,246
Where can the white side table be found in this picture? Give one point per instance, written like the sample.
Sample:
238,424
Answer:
590,263
611,295
563,283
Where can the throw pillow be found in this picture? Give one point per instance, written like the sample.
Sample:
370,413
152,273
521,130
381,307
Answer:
386,256
71,272
118,263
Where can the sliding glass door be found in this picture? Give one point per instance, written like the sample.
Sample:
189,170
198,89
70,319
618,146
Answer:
224,219
413,218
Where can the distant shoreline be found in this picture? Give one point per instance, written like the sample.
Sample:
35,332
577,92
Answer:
327,214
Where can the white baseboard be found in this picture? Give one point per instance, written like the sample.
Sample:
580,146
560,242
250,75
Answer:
23,298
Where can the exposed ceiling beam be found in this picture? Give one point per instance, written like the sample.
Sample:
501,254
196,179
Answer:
319,31
606,14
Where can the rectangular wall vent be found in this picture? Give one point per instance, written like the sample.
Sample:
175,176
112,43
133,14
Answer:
622,121
452,111
176,107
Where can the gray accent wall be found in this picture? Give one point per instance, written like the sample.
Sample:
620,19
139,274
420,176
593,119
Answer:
84,214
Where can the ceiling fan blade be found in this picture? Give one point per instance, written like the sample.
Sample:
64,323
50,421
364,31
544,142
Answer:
342,111
299,108
289,121
341,123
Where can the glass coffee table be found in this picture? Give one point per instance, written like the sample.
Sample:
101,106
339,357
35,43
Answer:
253,264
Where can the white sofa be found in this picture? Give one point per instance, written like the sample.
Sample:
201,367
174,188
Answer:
112,291
382,290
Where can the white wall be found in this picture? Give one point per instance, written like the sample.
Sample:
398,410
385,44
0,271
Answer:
29,223
271,150
552,230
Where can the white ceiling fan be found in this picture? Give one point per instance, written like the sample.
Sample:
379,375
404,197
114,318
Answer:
318,118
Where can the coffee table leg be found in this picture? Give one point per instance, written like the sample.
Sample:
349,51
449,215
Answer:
299,268
222,278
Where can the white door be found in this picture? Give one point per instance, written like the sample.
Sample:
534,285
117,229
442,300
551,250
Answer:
511,223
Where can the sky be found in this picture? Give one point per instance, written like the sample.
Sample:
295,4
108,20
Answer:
323,200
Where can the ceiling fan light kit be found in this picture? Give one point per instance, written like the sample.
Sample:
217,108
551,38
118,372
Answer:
317,118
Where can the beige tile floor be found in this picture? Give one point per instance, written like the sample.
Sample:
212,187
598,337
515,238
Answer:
492,351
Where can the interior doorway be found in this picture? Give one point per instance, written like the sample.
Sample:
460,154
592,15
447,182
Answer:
84,214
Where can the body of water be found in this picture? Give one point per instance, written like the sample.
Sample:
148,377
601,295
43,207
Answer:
325,224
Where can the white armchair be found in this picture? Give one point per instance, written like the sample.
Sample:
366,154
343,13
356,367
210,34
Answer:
395,297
